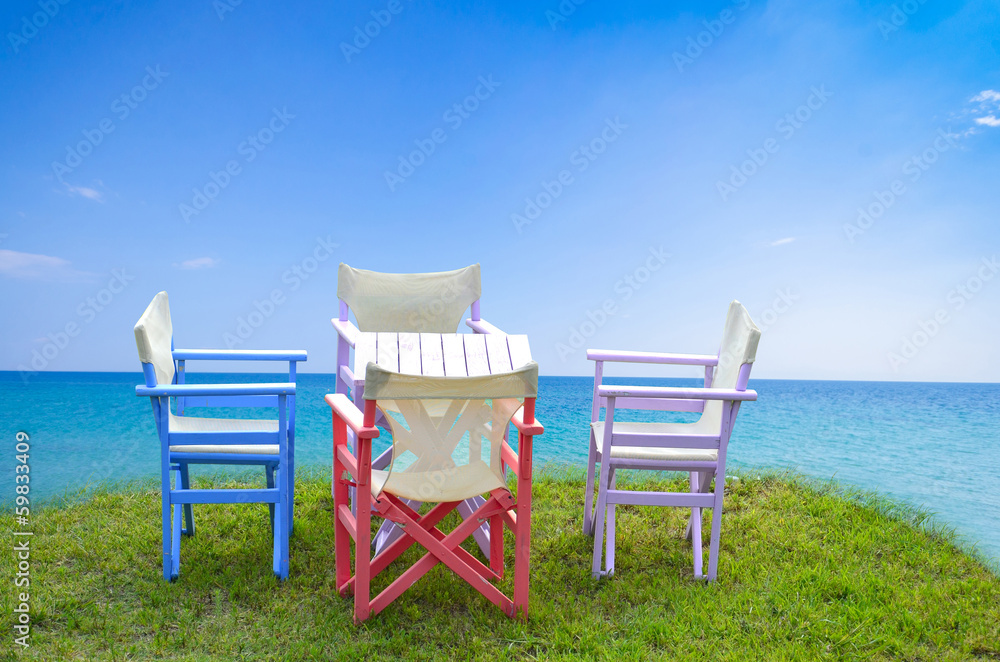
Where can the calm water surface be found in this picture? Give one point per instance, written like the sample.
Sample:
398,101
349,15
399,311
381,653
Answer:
929,444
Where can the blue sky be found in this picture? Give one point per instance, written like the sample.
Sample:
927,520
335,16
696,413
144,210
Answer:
669,159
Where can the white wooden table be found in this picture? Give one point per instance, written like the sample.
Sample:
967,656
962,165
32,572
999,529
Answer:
439,354
435,355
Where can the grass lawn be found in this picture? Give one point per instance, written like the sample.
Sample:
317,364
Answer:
805,573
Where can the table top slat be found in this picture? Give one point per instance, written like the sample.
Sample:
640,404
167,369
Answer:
476,361
387,351
520,352
431,358
364,352
409,353
496,350
454,355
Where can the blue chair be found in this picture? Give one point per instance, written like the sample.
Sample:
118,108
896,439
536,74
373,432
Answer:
186,440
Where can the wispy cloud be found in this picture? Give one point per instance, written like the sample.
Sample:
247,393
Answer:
32,266
199,263
984,111
987,96
781,242
86,191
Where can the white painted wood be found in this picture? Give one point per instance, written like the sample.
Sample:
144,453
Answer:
364,351
520,353
387,351
454,355
409,353
499,356
476,360
431,358
437,354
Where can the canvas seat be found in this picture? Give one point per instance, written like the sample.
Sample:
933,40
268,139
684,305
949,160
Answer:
448,445
698,448
187,440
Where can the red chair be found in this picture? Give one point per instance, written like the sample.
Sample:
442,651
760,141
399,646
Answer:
447,446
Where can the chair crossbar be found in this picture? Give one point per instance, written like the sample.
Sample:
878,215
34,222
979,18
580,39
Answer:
347,517
393,551
221,438
657,404
224,496
661,465
192,401
443,550
509,458
650,440
681,499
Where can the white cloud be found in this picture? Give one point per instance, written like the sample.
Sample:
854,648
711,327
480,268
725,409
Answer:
987,95
87,192
781,242
32,266
989,120
199,263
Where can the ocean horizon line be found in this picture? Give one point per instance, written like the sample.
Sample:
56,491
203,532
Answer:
301,372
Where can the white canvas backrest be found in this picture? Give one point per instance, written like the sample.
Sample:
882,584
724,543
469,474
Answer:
418,303
153,334
447,431
740,338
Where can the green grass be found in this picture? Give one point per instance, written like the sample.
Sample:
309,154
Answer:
806,572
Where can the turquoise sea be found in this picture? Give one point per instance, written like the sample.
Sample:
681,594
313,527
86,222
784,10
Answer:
933,445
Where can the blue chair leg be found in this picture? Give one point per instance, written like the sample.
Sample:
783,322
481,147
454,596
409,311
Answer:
176,542
168,559
188,530
291,483
269,473
281,525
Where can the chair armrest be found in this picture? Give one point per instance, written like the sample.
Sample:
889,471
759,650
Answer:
482,326
674,392
522,427
240,354
350,414
179,390
346,330
651,357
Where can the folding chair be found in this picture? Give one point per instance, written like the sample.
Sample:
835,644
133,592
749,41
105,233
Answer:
447,446
698,448
404,302
186,440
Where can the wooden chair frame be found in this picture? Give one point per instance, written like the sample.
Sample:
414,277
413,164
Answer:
599,518
500,510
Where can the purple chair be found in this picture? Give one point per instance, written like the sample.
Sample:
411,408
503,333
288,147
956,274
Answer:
698,448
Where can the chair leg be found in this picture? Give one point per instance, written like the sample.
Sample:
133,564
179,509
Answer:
602,505
341,536
362,558
291,483
269,476
188,529
694,524
175,537
167,541
281,525
522,537
588,496
713,548
700,481
610,537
